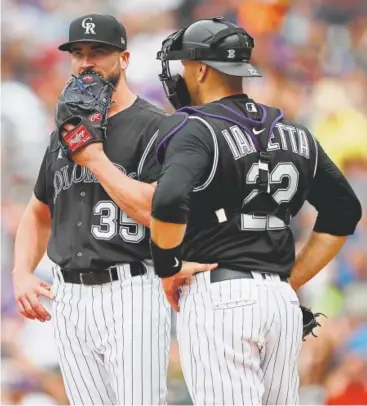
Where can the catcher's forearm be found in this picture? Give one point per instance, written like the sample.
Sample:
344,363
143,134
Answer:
31,238
319,250
132,196
166,235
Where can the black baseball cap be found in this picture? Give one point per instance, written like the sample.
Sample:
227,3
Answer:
101,28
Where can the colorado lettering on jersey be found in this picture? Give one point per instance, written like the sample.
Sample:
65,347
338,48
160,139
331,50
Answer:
64,178
241,144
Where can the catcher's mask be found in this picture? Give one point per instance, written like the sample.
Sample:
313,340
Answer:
215,42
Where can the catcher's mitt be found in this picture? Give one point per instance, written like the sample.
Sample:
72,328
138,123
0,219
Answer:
309,321
84,103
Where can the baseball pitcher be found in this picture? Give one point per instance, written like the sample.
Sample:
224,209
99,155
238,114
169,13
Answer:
111,318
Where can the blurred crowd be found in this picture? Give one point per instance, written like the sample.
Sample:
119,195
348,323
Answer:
313,57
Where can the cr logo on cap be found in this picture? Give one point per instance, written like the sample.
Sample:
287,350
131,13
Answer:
89,26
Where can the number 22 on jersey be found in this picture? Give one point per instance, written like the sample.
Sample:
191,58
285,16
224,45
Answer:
113,221
250,222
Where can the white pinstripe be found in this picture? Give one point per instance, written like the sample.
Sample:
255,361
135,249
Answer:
113,339
242,337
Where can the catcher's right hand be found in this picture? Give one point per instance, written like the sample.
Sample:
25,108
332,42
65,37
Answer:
309,321
83,104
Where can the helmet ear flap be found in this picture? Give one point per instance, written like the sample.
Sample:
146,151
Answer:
177,92
182,91
174,86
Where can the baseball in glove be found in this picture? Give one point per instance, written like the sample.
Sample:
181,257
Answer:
84,103
309,321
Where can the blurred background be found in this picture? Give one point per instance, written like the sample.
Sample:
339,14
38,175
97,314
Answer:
313,56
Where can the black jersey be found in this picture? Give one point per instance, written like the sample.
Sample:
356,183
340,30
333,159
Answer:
218,161
88,230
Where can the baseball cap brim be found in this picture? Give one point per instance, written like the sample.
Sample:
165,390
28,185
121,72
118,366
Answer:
67,45
234,68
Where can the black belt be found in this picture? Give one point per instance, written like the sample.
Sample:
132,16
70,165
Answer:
99,276
224,274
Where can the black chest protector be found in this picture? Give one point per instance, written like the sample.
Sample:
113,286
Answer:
259,125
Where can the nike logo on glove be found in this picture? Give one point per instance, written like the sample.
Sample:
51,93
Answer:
258,132
177,263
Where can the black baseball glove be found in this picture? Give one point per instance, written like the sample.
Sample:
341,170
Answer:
309,321
84,103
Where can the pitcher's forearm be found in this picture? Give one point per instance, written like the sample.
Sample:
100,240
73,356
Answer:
132,196
319,250
31,241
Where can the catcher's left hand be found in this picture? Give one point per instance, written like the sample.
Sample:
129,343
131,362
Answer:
84,105
309,321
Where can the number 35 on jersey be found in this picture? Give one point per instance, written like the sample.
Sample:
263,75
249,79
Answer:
113,221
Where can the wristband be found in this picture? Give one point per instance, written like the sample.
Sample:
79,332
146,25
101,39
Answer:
167,262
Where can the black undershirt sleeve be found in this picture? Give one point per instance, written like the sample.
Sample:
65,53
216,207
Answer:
188,162
339,209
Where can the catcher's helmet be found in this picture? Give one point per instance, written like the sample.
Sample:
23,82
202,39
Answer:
215,42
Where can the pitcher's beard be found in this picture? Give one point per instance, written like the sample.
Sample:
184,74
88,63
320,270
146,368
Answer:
115,77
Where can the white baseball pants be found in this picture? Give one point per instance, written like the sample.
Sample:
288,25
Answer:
113,339
239,341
